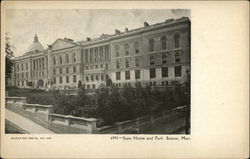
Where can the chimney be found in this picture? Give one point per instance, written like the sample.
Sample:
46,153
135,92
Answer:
88,38
146,24
126,30
117,31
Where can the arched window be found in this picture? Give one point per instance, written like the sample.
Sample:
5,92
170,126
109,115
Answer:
126,49
163,43
117,64
117,51
137,48
177,40
151,45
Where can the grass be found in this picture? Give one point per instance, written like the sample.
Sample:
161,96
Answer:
33,96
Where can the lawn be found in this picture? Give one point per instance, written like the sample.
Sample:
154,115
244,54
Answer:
33,96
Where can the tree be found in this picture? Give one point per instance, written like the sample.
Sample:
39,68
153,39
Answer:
9,55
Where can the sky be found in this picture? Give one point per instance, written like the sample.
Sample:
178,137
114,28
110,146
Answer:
49,25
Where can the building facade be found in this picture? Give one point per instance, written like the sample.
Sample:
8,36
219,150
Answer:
154,55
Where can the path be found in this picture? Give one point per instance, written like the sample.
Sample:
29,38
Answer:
25,123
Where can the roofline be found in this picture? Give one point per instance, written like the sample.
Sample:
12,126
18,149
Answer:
161,25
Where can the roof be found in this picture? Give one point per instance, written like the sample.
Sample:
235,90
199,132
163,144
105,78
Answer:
146,28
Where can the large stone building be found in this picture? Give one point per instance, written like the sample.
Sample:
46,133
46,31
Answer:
151,55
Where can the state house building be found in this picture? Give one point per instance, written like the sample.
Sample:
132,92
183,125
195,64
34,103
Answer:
151,55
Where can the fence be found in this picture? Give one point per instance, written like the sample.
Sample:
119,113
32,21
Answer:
139,124
88,124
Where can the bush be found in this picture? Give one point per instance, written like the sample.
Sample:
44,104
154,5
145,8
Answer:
113,104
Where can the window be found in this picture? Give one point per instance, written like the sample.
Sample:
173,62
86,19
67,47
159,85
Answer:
67,70
27,75
163,43
26,66
96,66
87,78
152,59
91,67
91,55
88,86
127,75
101,53
177,57
127,63
102,78
22,66
67,58
67,79
22,75
92,78
177,40
61,79
137,48
151,45
74,69
117,51
177,71
164,71
126,49
106,52
18,67
74,57
118,76
18,76
137,62
54,80
54,60
137,74
42,73
86,55
96,54
74,78
87,67
164,58
117,64
54,72
60,59
107,66
97,77
93,86
101,65
152,73
60,70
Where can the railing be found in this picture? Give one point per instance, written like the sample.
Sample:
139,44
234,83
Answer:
88,124
18,101
38,108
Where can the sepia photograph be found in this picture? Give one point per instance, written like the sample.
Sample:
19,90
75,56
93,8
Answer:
97,71
124,79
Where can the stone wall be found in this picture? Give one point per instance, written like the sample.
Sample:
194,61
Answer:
139,124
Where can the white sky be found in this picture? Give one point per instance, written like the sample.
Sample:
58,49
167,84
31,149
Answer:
76,24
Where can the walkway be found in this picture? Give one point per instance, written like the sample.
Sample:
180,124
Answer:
25,123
